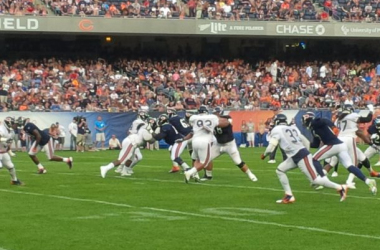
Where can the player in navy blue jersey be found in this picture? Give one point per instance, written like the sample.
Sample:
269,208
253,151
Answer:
171,136
183,127
41,140
322,131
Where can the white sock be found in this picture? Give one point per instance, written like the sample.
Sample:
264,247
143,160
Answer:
12,172
350,178
209,173
250,174
192,171
367,181
40,166
324,181
110,166
284,182
66,159
185,166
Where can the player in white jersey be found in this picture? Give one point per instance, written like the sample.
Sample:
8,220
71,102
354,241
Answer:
6,128
130,154
203,126
347,123
290,139
225,143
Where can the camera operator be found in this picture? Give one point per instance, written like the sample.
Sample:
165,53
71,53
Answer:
82,125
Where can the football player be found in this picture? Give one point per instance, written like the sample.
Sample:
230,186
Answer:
6,128
183,127
374,142
290,139
225,143
203,126
130,154
321,130
173,138
41,140
347,123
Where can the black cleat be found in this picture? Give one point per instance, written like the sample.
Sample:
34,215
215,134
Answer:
17,183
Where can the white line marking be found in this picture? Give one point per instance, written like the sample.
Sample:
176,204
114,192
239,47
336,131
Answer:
267,223
245,187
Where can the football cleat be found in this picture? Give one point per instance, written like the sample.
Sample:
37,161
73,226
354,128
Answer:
17,183
70,162
377,163
187,176
334,174
206,178
272,161
374,174
254,178
129,170
119,169
372,187
41,171
343,192
196,177
287,199
125,173
103,171
174,170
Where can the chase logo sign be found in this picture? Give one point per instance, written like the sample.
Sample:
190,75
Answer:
294,29
223,28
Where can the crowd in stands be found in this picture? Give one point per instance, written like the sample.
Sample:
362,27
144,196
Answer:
222,9
129,85
21,8
298,10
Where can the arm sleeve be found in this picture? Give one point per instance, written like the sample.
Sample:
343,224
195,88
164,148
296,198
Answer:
159,136
366,119
315,142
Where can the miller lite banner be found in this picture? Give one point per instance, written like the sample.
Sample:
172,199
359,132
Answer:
151,26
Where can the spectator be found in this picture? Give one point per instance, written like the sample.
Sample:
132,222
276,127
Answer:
100,127
244,130
114,143
251,133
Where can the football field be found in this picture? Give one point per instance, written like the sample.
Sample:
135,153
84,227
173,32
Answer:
78,210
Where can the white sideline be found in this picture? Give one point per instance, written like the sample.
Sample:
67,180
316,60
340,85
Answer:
198,215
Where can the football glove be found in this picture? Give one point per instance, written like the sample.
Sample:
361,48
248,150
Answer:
376,147
370,107
9,141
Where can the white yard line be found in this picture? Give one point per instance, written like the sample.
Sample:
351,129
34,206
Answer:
267,223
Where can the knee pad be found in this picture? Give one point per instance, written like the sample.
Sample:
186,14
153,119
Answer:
241,164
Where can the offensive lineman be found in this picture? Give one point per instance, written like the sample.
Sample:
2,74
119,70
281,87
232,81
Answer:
183,127
171,136
225,143
289,138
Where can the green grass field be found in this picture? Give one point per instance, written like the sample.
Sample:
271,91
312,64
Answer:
78,210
